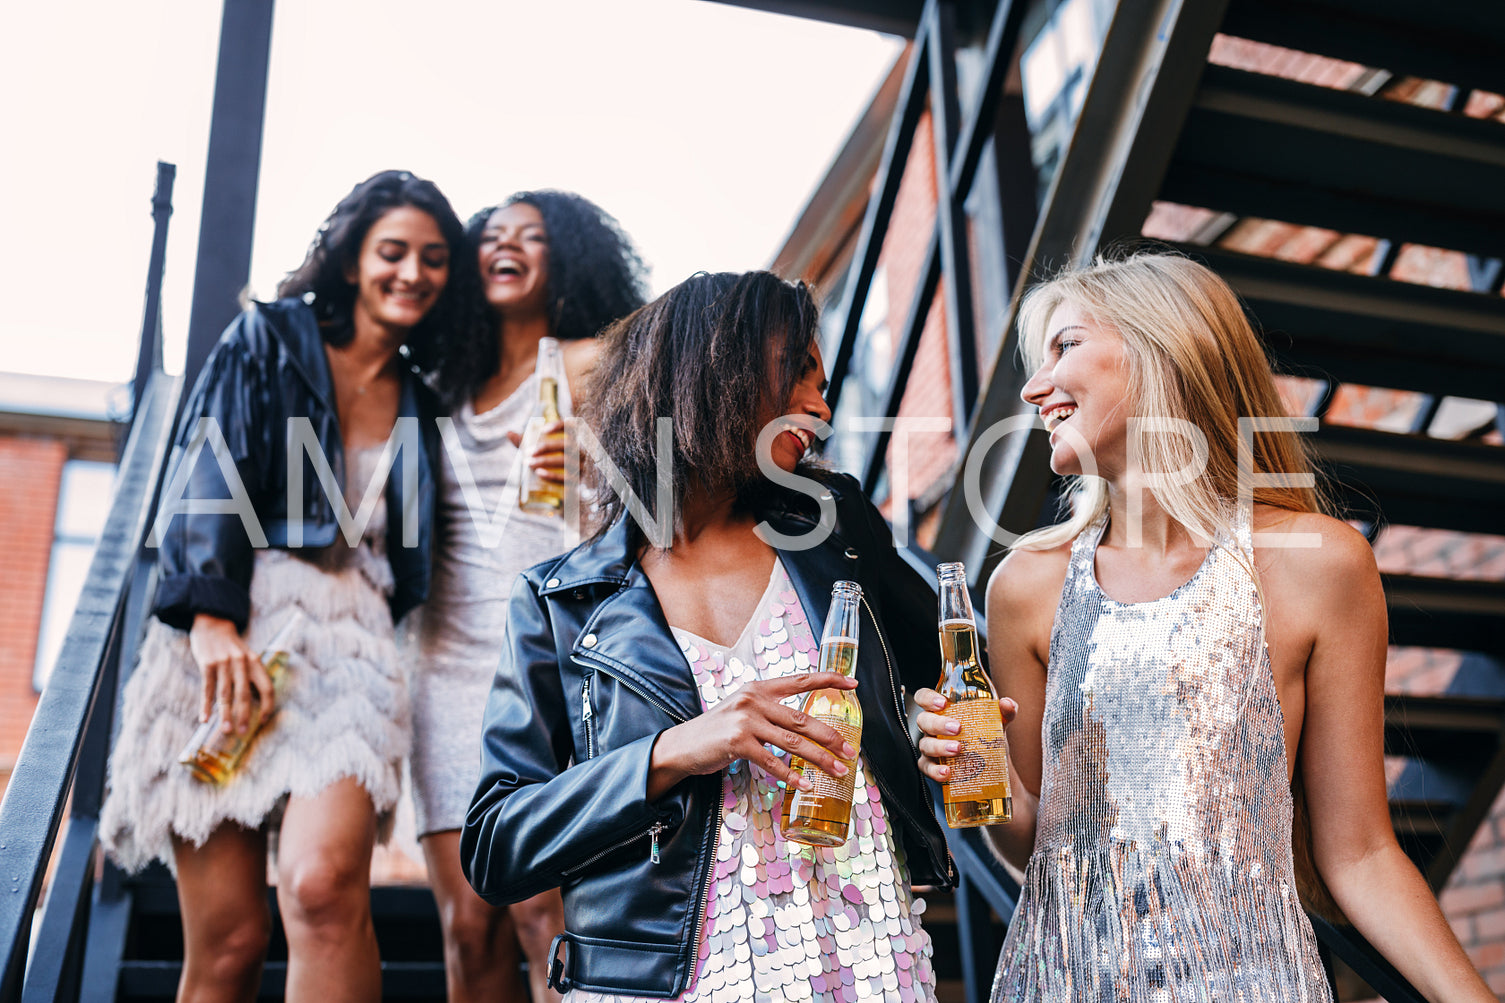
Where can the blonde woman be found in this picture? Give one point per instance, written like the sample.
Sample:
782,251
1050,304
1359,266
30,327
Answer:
1183,651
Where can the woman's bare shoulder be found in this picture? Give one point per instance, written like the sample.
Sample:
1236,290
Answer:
1310,547
1027,579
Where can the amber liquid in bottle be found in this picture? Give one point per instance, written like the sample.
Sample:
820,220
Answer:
822,815
978,791
534,493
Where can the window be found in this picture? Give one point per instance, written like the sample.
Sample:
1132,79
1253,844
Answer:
83,503
1055,70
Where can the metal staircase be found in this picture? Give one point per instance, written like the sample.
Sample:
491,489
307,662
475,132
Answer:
1158,123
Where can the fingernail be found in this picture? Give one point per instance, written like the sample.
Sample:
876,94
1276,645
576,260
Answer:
839,770
806,785
952,748
847,750
953,727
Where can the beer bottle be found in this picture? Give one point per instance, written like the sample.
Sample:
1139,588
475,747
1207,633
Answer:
214,755
534,493
978,791
821,815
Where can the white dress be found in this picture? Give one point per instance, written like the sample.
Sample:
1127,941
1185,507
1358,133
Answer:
344,712
456,637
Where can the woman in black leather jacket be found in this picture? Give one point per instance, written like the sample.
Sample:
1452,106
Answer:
319,386
637,732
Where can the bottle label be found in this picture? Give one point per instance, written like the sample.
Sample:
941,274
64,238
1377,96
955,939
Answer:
980,771
829,798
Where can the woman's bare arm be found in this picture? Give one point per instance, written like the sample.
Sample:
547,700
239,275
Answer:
1341,760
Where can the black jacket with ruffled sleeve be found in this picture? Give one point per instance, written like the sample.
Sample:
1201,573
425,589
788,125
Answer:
268,369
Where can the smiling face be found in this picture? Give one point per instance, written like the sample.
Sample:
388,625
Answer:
402,268
513,255
808,398
1082,383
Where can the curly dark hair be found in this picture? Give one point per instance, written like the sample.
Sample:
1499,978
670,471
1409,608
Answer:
699,354
595,276
321,278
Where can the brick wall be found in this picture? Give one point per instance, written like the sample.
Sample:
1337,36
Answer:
30,470
927,393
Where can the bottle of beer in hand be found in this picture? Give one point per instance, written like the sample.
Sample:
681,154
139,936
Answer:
978,791
214,755
821,815
534,493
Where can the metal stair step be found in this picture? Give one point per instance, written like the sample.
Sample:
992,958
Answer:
1413,480
1257,145
1446,613
1459,733
1375,332
414,981
1456,43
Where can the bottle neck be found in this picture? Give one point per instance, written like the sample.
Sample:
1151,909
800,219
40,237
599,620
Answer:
842,621
956,602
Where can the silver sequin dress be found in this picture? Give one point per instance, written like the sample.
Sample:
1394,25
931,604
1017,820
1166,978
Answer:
1162,868
456,637
787,922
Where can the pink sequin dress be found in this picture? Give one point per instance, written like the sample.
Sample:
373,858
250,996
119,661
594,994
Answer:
787,921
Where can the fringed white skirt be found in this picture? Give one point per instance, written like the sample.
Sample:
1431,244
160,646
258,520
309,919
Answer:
344,712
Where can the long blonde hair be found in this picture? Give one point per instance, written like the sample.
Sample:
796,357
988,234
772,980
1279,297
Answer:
1191,355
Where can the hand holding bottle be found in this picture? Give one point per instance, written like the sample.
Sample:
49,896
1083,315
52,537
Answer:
939,741
743,726
232,672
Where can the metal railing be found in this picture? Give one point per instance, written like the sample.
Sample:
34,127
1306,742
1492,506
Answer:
61,768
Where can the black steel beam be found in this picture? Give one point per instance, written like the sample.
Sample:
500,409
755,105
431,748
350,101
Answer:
880,208
1233,189
34,800
1259,145
1413,480
1456,43
1455,732
960,170
1151,61
1446,613
950,214
1377,332
149,349
1346,944
893,17
908,347
57,960
223,264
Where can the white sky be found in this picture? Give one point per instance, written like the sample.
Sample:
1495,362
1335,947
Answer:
702,127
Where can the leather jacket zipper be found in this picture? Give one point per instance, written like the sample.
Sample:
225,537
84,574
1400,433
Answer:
587,716
708,842
703,895
652,833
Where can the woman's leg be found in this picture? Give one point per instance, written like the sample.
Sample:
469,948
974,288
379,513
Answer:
539,920
222,894
324,894
480,945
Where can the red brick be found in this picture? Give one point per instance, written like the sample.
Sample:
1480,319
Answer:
1472,898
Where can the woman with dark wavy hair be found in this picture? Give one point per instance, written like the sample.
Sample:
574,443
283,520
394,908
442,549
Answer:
646,679
553,265
333,357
